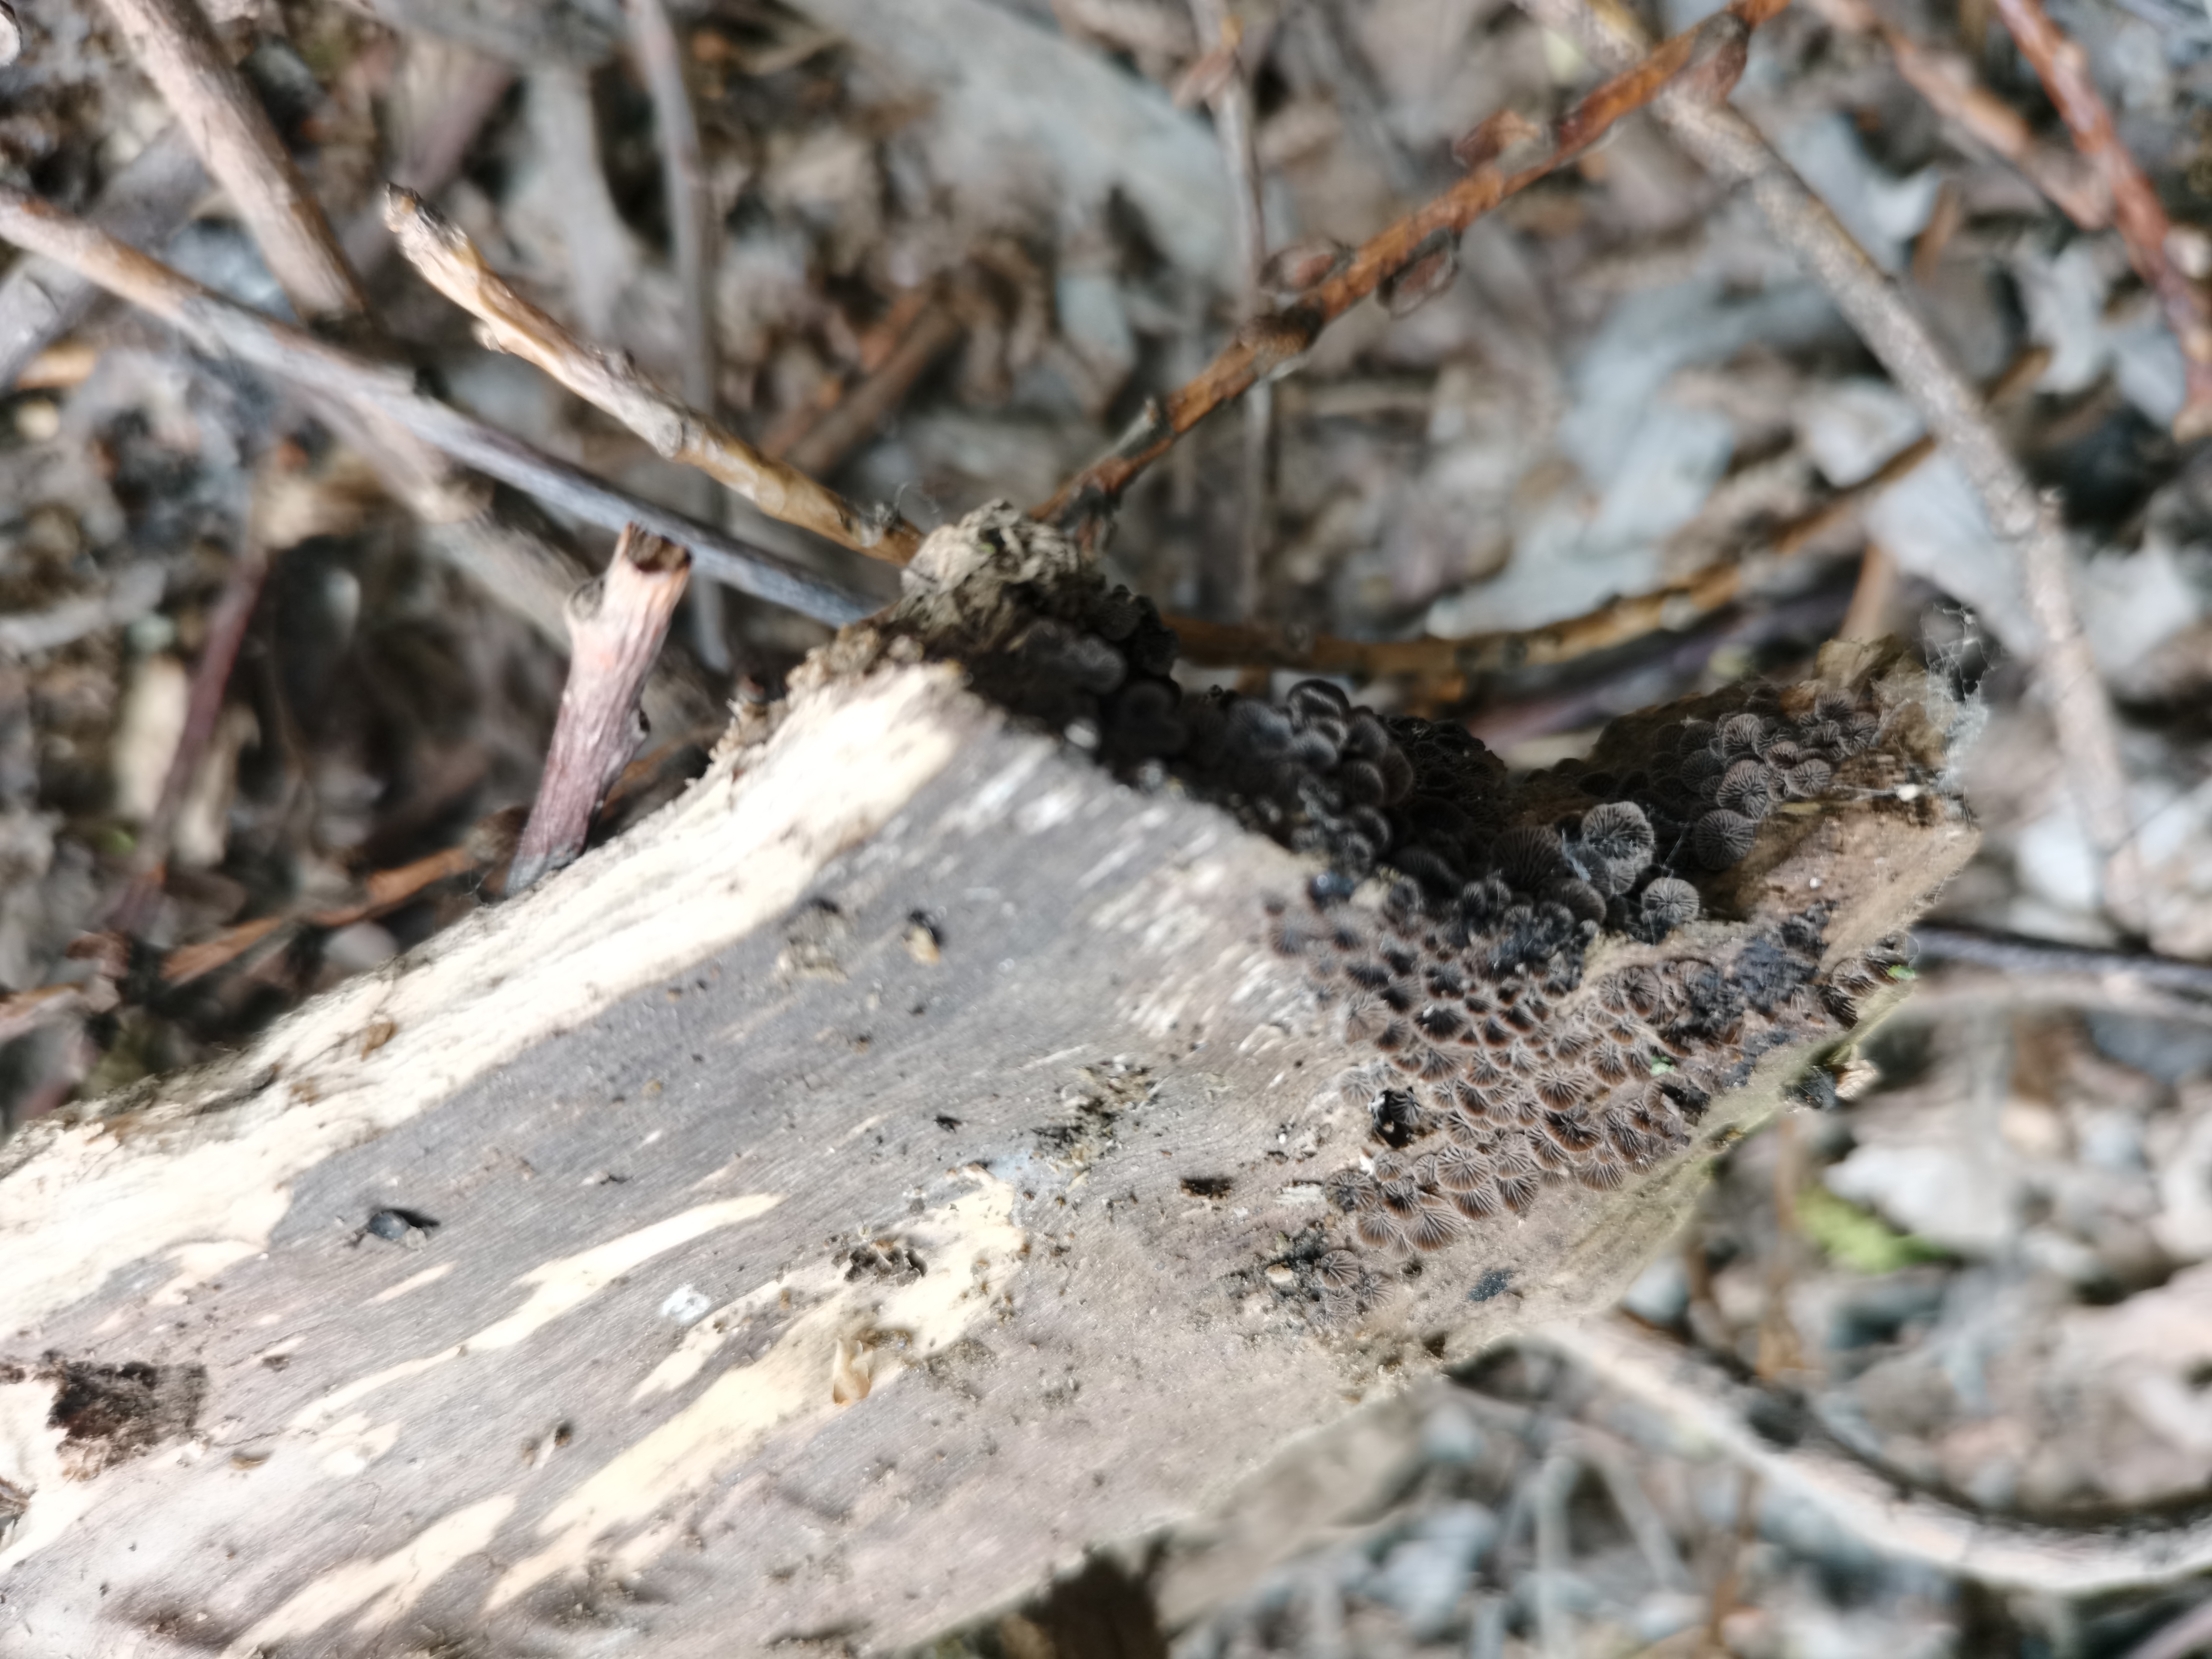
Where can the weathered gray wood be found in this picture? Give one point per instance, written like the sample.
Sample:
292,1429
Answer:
853,1197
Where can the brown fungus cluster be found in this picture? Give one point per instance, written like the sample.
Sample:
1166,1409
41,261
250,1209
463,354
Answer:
1449,931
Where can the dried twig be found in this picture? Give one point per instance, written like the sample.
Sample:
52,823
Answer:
1730,149
1710,54
222,115
1702,1401
2040,958
442,252
617,625
39,301
50,1005
433,156
384,890
691,219
1618,622
1947,80
224,328
210,677
2063,68
217,110
819,449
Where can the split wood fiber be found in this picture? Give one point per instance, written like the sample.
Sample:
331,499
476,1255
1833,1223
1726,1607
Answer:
911,1159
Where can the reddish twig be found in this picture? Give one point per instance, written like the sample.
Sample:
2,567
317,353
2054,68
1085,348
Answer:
1948,81
616,626
833,433
442,252
1709,58
2064,69
1720,140
210,677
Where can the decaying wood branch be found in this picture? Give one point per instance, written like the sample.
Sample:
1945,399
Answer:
450,263
616,625
771,1224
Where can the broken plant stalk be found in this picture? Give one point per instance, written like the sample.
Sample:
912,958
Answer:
616,626
450,263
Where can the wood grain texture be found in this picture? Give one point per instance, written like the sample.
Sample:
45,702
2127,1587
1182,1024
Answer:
822,1214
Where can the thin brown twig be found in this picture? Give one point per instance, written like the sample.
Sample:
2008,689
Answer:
617,625
224,328
1710,55
1948,81
1730,149
384,892
2064,69
818,451
210,677
442,252
1617,622
172,41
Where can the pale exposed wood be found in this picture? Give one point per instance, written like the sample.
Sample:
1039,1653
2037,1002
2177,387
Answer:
951,1082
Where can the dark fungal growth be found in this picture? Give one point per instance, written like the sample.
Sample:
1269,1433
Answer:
1529,974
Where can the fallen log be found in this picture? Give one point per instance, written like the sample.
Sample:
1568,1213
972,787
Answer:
960,1132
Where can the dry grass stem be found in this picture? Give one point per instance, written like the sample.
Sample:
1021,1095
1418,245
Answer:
442,252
